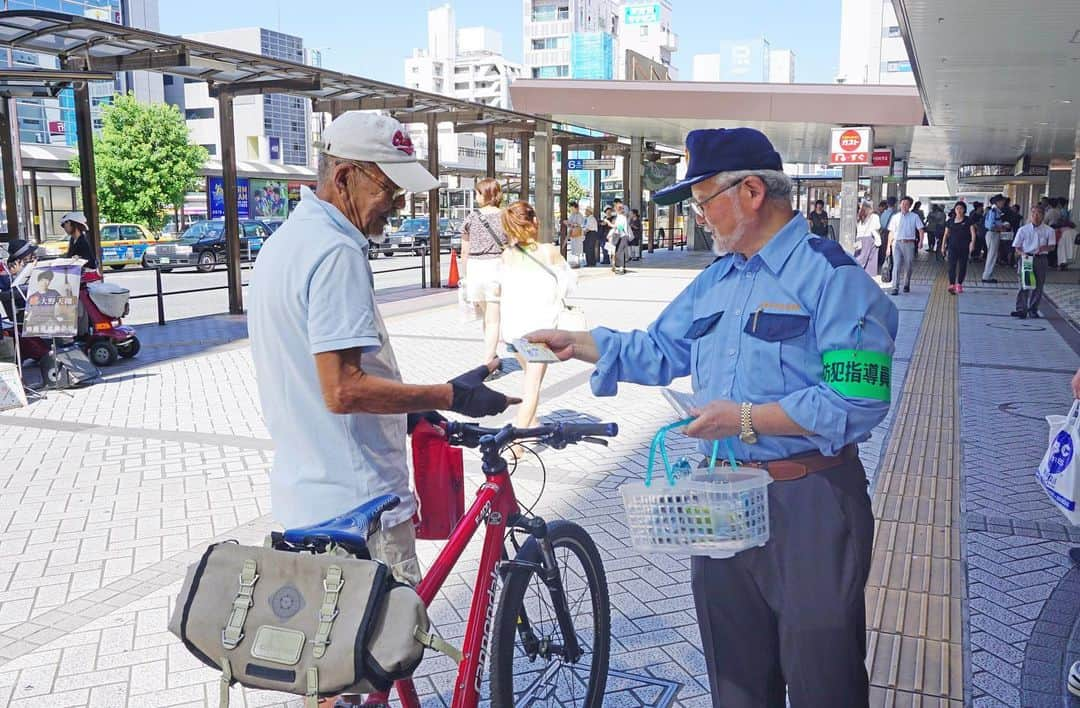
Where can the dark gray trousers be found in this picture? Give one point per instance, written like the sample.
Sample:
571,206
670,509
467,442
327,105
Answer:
792,613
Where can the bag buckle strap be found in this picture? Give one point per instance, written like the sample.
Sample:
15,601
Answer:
328,612
233,632
311,695
435,642
226,682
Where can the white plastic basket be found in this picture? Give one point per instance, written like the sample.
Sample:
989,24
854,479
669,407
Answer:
715,514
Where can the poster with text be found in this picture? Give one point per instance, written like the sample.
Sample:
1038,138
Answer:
215,195
294,193
268,198
52,299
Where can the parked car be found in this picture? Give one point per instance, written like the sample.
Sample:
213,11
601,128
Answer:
414,234
273,224
125,244
203,245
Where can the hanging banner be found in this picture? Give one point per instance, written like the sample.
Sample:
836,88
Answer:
215,195
268,198
52,301
851,146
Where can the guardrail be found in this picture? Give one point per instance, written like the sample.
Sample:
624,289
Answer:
676,237
160,293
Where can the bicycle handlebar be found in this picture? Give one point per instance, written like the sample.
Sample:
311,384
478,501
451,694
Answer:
557,435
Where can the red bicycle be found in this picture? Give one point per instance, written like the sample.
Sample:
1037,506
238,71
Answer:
549,628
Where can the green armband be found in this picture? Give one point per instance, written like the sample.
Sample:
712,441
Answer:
857,373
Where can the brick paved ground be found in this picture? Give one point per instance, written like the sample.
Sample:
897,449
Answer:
119,486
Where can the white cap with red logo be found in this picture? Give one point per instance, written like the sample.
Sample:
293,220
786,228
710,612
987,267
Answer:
371,137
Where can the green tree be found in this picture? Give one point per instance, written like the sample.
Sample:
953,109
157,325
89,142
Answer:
575,191
145,161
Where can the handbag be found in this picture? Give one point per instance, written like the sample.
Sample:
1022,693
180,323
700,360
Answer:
309,624
1059,471
887,269
571,319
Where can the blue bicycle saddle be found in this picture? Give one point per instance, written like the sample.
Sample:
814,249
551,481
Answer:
351,529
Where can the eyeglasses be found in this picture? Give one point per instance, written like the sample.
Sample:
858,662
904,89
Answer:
699,207
387,186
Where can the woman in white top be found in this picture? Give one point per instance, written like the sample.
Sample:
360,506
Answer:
535,279
868,238
482,244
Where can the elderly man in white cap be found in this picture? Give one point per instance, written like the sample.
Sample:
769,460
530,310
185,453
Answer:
331,393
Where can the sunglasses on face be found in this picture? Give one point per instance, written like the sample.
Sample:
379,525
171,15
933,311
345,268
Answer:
699,206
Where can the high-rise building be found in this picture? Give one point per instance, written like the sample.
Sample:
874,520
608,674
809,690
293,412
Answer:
748,60
270,128
645,28
52,120
871,48
570,39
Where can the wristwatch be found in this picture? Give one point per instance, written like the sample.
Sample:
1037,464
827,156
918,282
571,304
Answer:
747,434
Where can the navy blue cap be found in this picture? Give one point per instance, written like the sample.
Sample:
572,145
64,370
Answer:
719,150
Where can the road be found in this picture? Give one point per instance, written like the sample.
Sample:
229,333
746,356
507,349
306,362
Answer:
144,310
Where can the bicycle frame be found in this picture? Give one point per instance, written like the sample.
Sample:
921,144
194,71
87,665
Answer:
495,503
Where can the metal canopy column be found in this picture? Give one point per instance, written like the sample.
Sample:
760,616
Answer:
35,211
564,199
849,197
598,152
1074,187
7,163
232,213
633,200
489,132
433,199
524,193
544,203
84,125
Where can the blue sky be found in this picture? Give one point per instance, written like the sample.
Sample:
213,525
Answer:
371,39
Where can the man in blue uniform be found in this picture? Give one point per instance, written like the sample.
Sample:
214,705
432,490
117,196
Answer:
789,346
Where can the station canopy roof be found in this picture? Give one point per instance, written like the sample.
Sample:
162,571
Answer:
85,44
798,118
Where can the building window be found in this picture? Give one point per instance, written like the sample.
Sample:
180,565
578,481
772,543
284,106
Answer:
899,67
167,79
210,149
644,30
550,43
198,113
893,31
550,13
551,72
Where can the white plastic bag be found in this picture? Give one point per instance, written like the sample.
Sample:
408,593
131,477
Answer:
1059,471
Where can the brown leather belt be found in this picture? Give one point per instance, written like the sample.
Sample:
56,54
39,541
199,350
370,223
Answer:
797,467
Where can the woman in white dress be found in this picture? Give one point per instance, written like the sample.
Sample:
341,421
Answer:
482,244
535,280
868,238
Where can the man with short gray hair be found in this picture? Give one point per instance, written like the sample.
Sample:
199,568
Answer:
789,344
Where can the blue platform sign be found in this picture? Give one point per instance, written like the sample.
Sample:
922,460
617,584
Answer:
575,164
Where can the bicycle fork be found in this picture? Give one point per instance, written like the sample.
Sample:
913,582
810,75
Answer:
548,570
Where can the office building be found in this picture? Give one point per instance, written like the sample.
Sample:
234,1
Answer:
747,60
871,48
570,39
645,28
52,120
270,128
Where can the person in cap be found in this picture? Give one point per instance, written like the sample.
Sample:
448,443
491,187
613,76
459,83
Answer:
789,346
75,226
20,254
331,392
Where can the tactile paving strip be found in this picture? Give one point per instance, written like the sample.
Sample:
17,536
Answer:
916,587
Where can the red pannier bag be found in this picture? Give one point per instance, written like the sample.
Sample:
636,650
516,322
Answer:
438,481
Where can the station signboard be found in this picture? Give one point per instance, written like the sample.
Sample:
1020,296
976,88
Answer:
602,164
851,146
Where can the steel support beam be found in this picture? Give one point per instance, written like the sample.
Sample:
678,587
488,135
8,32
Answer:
489,167
84,125
652,224
444,117
525,177
544,203
35,211
232,214
633,200
564,200
597,187
7,164
249,88
433,200
147,59
849,207
671,226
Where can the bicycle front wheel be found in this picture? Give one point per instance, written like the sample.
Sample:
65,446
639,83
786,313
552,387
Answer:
529,664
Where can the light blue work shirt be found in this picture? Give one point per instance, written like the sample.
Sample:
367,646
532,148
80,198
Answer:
312,292
993,218
755,330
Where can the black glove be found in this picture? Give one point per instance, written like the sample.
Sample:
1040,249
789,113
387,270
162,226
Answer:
413,419
472,398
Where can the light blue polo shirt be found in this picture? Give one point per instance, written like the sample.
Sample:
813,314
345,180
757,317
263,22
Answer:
312,292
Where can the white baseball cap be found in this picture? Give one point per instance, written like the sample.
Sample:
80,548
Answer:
75,216
371,137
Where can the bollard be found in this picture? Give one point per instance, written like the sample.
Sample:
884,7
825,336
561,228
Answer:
423,269
160,297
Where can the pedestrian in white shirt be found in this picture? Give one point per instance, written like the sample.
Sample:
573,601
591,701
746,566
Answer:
331,393
575,232
868,237
906,231
1035,239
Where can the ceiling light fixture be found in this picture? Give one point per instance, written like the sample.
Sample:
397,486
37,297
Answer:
1066,101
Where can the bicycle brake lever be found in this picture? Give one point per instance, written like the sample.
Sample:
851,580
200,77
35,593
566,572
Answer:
595,441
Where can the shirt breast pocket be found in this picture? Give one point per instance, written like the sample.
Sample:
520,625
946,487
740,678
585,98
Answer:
701,328
777,348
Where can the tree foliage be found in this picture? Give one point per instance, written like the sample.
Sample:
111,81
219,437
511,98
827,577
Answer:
575,191
145,161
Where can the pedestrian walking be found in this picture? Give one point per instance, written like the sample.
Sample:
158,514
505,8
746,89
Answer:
819,220
1033,240
607,221
331,393
1013,219
620,239
575,232
935,229
797,602
868,237
907,230
482,244
886,237
591,243
957,244
636,233
978,217
536,280
994,224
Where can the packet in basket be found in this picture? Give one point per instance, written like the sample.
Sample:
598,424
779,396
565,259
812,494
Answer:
715,512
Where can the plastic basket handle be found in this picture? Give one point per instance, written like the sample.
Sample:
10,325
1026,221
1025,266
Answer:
658,444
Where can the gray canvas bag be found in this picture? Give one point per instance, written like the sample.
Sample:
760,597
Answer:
308,624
